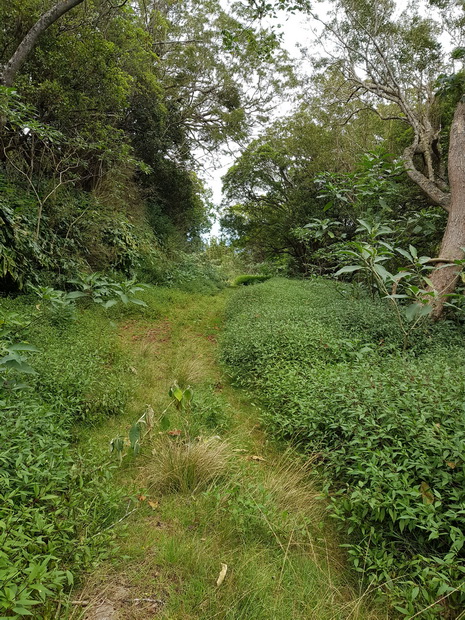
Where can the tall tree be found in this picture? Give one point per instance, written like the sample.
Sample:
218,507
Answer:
398,59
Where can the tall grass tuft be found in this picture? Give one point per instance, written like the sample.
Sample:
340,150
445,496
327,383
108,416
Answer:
188,466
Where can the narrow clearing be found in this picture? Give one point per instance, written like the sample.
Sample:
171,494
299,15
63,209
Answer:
238,505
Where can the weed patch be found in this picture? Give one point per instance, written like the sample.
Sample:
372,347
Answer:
58,502
55,506
386,427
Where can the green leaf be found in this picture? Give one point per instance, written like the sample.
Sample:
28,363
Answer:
348,269
75,295
382,272
411,311
22,611
417,310
134,434
187,396
117,445
178,393
405,254
402,610
413,251
21,346
165,423
18,365
110,303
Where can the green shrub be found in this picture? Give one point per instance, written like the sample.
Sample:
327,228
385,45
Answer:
81,368
54,504
195,273
389,427
246,280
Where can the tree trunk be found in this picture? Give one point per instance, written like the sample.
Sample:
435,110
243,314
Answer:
12,66
444,279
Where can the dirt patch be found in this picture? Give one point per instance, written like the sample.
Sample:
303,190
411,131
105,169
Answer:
118,600
160,333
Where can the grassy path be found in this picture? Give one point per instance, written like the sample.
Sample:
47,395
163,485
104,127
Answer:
215,495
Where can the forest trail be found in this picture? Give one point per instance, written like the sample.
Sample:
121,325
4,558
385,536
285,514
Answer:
260,520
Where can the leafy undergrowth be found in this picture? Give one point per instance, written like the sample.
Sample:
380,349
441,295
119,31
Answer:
58,502
387,427
214,496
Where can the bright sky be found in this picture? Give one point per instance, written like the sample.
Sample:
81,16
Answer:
294,32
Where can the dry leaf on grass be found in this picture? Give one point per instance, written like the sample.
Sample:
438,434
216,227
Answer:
428,497
222,575
254,457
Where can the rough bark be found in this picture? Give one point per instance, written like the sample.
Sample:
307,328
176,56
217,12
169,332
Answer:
14,64
444,279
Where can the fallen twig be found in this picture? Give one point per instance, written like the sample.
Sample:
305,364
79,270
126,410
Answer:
115,523
144,600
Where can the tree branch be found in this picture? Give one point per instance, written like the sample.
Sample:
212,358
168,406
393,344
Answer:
12,66
430,188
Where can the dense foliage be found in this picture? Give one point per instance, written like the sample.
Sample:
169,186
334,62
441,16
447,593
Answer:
387,426
287,198
57,500
99,130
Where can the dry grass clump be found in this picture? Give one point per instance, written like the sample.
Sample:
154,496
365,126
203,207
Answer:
188,466
289,482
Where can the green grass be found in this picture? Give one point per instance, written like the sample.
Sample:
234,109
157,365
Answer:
388,427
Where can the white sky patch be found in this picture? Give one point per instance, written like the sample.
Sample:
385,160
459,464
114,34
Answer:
295,33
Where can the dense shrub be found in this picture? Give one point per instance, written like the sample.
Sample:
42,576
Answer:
81,369
195,273
246,280
55,501
81,233
54,504
388,426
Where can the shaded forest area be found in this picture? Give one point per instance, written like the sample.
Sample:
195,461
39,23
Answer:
100,124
